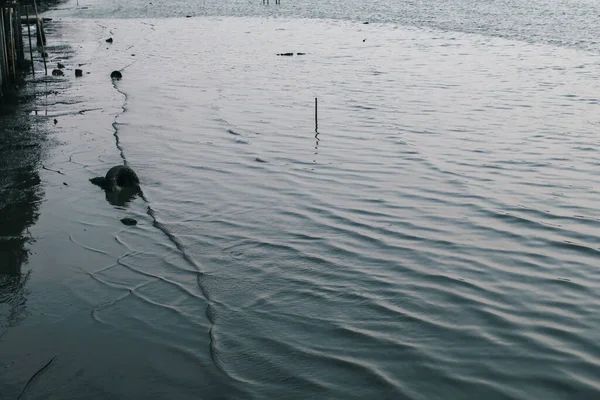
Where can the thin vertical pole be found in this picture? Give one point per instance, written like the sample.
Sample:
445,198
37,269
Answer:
3,39
39,26
316,121
29,36
13,53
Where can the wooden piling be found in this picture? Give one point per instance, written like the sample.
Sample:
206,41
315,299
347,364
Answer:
29,37
41,35
12,55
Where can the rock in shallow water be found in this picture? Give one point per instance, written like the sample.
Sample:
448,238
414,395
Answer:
129,221
116,75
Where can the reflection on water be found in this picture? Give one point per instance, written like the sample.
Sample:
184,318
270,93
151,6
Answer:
20,195
122,197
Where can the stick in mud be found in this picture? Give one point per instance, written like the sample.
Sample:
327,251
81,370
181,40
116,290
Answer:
34,375
40,34
316,123
29,36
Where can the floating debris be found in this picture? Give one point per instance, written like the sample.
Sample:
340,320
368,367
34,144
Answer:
61,66
57,72
285,54
116,75
78,73
109,40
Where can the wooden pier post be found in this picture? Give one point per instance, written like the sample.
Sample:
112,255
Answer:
12,55
29,37
41,35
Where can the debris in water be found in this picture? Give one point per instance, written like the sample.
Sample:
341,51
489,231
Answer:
61,66
116,75
57,72
78,73
109,40
129,221
285,54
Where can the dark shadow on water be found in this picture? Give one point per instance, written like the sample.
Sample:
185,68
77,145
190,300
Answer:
123,197
21,150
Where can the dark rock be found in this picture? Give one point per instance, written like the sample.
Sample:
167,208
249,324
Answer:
78,73
285,54
129,221
117,177
116,75
188,16
45,55
109,40
258,159
300,54
61,66
57,72
65,183
55,121
366,23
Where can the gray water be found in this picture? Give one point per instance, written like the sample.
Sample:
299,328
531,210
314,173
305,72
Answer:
435,237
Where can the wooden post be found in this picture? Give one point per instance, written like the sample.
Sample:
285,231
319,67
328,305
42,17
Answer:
3,43
29,36
12,46
2,74
40,29
19,32
316,121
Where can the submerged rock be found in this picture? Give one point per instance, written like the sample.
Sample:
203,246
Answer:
57,72
285,54
78,73
116,75
109,40
61,65
129,221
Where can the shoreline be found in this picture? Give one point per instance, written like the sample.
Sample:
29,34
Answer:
54,302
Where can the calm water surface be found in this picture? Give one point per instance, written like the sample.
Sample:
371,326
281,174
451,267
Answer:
434,238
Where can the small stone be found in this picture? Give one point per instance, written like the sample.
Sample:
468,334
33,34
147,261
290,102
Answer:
129,221
116,75
78,73
109,40
61,66
55,121
188,16
366,23
65,183
57,72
